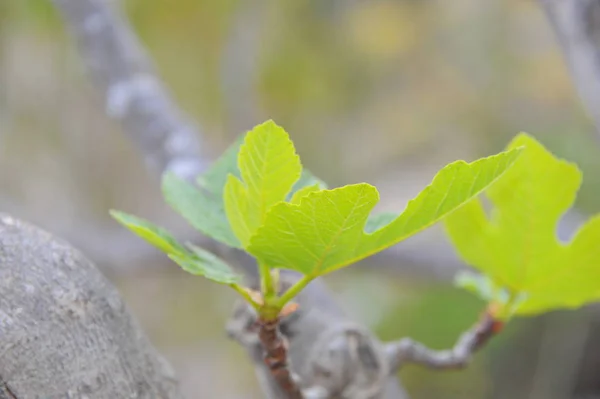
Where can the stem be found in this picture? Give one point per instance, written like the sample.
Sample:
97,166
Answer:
293,291
267,284
276,357
505,310
246,295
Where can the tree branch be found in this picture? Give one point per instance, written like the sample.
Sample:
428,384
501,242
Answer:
132,93
64,330
408,351
576,24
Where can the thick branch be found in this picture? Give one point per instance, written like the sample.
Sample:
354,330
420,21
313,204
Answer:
131,90
64,330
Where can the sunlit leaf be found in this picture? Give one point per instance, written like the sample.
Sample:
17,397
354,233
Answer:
155,235
194,260
268,167
303,192
517,245
326,230
203,263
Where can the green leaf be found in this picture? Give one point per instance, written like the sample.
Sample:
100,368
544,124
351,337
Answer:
155,235
477,284
517,246
482,286
203,263
303,192
269,167
197,261
377,221
203,206
307,179
215,178
326,230
202,209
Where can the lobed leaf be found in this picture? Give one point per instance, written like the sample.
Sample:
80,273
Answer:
517,246
269,167
204,206
326,230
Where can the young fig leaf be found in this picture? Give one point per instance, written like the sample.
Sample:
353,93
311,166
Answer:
303,192
517,246
194,260
326,230
202,209
154,235
204,263
269,167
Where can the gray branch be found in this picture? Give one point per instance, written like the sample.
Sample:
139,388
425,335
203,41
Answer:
408,351
131,91
577,27
64,330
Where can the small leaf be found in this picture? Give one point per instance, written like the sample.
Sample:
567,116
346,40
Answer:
195,260
478,284
308,179
215,178
205,263
201,209
303,192
326,230
155,235
269,167
236,203
517,246
203,206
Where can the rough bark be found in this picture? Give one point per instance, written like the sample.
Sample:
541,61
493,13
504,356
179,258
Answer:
64,330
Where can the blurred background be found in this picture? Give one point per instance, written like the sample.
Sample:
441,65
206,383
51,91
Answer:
383,91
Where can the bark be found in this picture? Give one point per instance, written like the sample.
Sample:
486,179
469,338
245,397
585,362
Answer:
64,330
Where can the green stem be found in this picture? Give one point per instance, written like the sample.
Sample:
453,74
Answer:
507,308
267,284
293,291
246,295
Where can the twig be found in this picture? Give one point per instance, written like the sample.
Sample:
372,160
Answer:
409,351
132,92
276,358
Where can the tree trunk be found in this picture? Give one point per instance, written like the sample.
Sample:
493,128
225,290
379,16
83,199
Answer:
64,330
